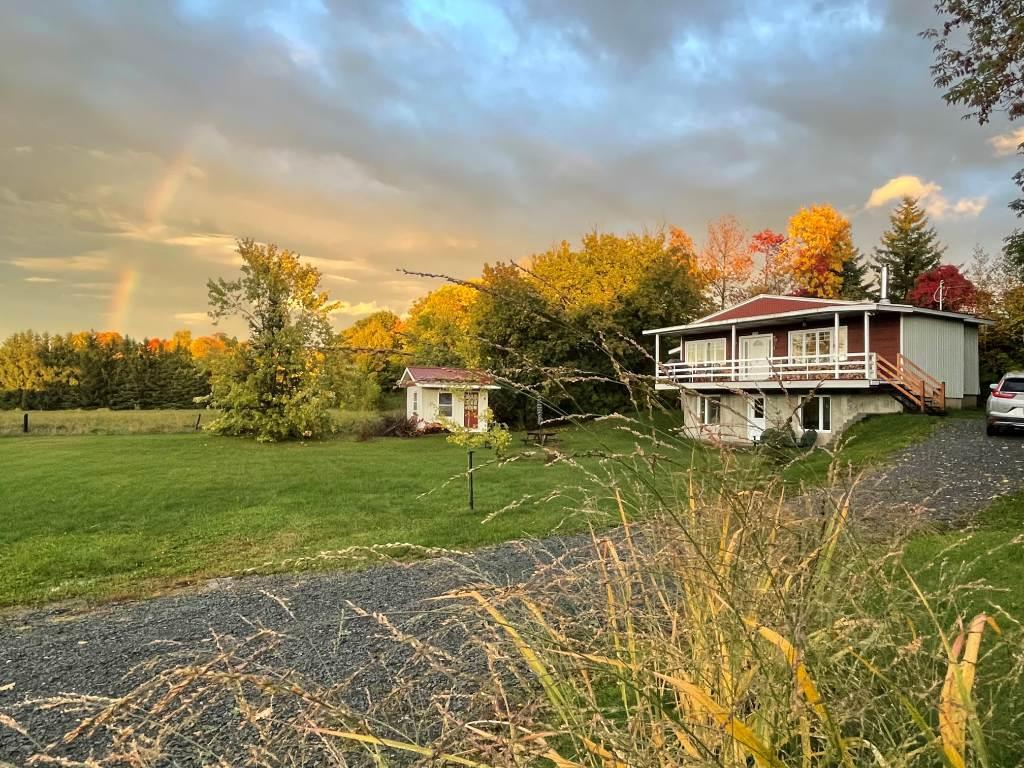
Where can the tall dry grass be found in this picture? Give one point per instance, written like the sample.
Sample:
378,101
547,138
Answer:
720,624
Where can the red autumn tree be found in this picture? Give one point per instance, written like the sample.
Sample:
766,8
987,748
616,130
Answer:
766,248
957,294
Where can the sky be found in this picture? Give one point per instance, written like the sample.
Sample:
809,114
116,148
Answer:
138,140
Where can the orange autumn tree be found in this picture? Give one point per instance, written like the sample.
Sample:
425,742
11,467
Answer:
819,251
725,262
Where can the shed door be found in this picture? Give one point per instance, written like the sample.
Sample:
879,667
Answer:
470,409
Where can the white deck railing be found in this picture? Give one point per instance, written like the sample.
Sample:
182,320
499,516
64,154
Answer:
858,366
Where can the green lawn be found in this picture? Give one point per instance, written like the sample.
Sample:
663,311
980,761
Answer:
866,443
101,516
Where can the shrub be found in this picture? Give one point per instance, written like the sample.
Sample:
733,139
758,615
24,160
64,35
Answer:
808,438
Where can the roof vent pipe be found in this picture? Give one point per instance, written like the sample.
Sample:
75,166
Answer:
884,298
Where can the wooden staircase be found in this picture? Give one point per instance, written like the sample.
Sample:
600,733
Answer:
911,385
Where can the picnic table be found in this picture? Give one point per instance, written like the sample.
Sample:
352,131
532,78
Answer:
540,436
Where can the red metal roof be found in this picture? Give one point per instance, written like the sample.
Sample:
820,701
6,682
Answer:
769,305
433,375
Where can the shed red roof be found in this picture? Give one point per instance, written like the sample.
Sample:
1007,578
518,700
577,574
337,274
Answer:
770,305
434,375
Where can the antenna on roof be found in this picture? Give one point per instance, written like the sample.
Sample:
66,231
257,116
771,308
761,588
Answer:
940,293
884,298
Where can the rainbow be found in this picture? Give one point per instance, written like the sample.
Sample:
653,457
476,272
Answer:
121,300
166,189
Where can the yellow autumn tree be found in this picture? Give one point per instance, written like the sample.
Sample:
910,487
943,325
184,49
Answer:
725,261
604,269
818,251
437,331
374,343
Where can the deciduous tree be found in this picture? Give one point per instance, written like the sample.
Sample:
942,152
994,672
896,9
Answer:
437,331
909,248
944,287
271,388
818,250
725,261
22,369
979,65
766,248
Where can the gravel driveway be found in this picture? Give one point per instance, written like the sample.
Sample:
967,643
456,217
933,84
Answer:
43,653
958,470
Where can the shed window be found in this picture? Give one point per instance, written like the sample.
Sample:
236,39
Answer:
415,402
816,345
705,351
816,414
444,404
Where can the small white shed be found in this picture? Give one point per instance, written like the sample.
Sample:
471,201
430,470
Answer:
435,395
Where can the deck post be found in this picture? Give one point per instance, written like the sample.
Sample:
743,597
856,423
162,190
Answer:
867,345
835,342
657,358
732,352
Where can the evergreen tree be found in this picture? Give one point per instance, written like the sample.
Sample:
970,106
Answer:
856,278
909,247
126,386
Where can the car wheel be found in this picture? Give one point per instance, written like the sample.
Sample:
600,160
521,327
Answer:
991,430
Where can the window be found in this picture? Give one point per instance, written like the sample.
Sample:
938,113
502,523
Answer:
1012,385
816,345
415,402
816,414
705,351
709,410
444,404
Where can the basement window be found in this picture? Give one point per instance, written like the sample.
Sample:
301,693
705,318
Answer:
816,414
709,409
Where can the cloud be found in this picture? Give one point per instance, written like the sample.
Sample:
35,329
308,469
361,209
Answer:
437,137
192,318
929,194
346,308
1007,143
37,279
82,263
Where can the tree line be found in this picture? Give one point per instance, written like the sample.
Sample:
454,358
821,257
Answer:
565,323
40,371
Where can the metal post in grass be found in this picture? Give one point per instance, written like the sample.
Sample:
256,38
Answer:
470,455
24,424
198,418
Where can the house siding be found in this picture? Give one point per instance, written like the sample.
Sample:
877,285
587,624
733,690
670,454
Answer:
972,375
938,346
846,409
885,334
428,406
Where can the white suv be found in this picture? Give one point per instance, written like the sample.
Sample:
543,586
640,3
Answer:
1005,407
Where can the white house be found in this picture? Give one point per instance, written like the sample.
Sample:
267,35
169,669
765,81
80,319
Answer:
435,395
